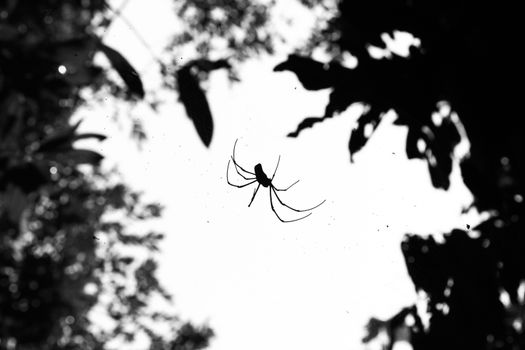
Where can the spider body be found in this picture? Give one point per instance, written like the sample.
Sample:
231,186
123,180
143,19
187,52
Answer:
261,177
258,176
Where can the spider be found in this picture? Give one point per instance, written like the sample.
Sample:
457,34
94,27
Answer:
262,179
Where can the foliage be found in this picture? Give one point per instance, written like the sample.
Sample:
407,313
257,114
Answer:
193,97
462,59
215,34
65,248
225,28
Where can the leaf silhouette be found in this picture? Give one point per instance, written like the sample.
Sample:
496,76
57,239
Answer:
207,66
312,74
63,140
338,102
306,123
358,137
390,327
442,152
195,102
413,136
440,171
90,135
315,76
125,70
80,156
60,139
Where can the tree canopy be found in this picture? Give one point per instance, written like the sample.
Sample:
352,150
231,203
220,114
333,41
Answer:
462,59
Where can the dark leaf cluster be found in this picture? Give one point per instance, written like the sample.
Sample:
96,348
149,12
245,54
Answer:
473,280
65,246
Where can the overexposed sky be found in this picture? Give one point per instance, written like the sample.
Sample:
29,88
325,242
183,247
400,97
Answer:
259,283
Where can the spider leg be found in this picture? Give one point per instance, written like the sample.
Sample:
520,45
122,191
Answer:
241,186
254,193
275,212
289,207
278,160
287,188
235,162
232,184
240,167
238,172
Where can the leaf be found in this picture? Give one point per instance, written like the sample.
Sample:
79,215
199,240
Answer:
125,70
390,327
358,137
99,137
413,136
80,156
207,66
63,139
338,102
442,149
449,131
312,74
195,103
306,123
60,139
373,327
440,172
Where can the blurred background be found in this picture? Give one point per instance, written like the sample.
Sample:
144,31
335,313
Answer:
119,229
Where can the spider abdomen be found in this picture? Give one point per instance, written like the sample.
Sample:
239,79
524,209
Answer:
261,176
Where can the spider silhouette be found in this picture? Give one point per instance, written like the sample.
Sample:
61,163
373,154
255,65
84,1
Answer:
260,177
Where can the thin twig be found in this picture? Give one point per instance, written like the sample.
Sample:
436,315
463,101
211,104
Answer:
118,13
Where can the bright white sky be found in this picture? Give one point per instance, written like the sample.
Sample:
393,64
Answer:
259,283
